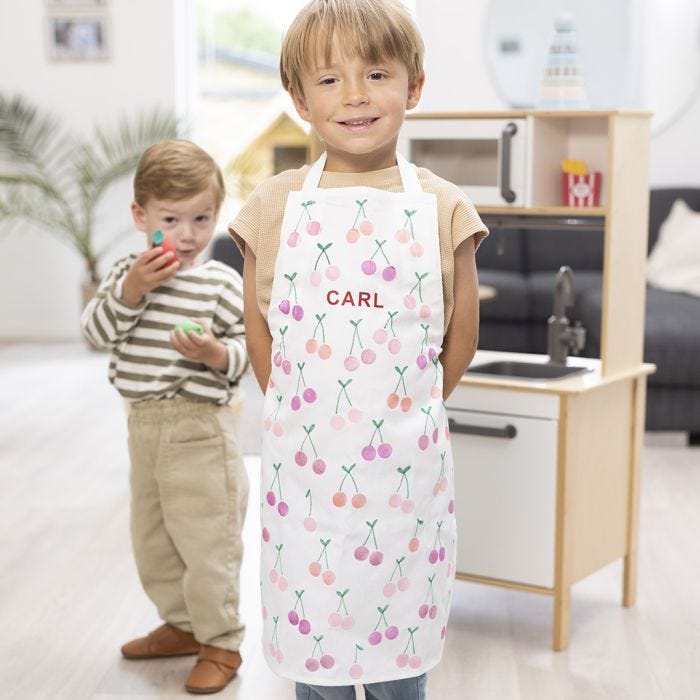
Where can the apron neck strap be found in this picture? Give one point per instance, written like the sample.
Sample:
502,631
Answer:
409,178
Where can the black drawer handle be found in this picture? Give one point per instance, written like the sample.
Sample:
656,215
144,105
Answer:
508,431
507,134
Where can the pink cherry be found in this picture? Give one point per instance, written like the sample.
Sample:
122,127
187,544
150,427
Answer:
403,584
361,553
351,363
441,553
268,423
355,671
279,656
271,499
389,589
297,312
296,403
282,509
414,661
423,610
265,534
436,434
432,353
435,391
402,235
376,558
432,613
277,429
324,351
451,506
425,311
355,415
311,345
300,458
316,278
274,575
327,661
293,239
328,578
369,267
311,665
368,453
315,568
277,359
334,619
348,623
407,506
384,450
433,556
423,442
402,660
309,524
359,500
332,272
413,544
379,336
391,632
309,395
409,302
395,500
286,366
282,583
337,422
352,236
422,361
293,617
284,306
304,626
368,356
394,346
313,228
374,638
319,466
416,249
366,227
339,499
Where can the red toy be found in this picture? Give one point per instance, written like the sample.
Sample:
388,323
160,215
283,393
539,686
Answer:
160,239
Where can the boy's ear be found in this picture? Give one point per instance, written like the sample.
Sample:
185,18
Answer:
300,104
415,91
138,213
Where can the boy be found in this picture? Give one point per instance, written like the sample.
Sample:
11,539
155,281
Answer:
361,316
189,487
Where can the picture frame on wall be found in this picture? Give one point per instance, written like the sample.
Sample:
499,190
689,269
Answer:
76,36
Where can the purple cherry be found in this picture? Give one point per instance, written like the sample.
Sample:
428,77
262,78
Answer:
327,661
423,610
368,453
297,312
375,638
304,626
311,664
441,554
265,534
432,354
309,395
391,632
271,499
319,466
422,361
432,613
282,508
389,273
286,366
384,450
293,617
369,267
284,306
296,403
300,458
433,556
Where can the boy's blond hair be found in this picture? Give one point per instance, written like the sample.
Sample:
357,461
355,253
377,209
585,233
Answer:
370,29
174,170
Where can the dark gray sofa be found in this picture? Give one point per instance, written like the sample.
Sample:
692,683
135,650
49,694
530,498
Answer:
521,264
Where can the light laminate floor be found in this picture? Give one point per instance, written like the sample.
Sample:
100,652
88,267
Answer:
69,594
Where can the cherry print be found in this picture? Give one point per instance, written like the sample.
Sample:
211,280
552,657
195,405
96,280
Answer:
309,394
304,625
335,619
280,357
403,660
276,576
402,584
356,669
414,542
367,355
312,346
325,661
332,271
436,388
396,500
441,483
275,651
428,610
265,534
285,305
309,521
354,414
381,334
365,227
438,551
390,631
271,422
369,267
362,552
393,400
315,567
282,507
424,356
383,449
340,497
424,440
313,228
300,457
409,300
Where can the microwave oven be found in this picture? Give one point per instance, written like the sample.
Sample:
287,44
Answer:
486,158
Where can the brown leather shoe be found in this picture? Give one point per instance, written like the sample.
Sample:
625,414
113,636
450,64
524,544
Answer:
214,670
164,641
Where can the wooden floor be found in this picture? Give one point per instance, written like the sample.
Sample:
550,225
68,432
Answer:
69,594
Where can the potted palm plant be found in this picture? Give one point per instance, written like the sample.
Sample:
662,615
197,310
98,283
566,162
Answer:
55,178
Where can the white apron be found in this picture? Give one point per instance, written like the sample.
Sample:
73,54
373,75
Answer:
356,489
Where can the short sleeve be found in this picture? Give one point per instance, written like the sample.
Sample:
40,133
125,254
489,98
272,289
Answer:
466,222
245,228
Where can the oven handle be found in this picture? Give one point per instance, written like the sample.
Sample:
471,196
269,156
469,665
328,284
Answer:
507,134
508,431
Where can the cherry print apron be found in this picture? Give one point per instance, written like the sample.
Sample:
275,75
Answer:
356,496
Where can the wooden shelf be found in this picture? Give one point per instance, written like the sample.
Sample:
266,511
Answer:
573,212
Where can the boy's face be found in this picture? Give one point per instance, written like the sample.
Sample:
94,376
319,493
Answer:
356,108
189,222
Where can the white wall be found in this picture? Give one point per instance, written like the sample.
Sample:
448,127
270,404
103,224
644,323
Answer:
39,284
458,77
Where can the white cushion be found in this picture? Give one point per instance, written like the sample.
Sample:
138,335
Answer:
674,262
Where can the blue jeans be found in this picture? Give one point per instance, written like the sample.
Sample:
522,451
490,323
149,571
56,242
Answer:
404,689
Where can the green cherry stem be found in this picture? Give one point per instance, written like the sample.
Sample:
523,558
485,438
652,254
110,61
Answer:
380,249
371,533
355,335
360,210
419,284
404,478
342,604
341,392
401,380
323,249
319,324
347,471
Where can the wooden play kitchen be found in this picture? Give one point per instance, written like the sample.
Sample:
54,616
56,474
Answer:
547,471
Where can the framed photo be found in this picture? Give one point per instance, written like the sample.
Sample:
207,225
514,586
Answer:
78,37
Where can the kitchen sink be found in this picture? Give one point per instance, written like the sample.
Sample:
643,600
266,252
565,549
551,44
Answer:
525,370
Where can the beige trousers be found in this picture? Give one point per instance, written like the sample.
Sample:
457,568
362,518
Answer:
189,492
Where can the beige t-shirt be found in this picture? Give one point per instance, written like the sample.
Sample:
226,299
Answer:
258,224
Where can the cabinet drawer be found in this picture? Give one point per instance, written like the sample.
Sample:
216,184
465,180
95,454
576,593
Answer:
505,495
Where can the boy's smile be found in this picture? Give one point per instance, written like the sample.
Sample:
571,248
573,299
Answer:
357,108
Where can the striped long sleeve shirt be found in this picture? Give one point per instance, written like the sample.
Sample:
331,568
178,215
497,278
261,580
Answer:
143,364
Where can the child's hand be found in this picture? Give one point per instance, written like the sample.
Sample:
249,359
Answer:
202,347
150,269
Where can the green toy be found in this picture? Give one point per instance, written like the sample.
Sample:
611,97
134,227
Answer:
187,326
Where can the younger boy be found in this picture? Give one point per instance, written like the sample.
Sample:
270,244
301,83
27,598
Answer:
189,488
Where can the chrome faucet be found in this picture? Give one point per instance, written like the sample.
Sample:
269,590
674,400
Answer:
562,337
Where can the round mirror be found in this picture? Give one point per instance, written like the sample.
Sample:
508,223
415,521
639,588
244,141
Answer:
630,54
